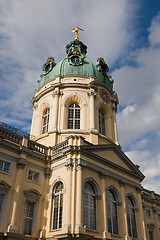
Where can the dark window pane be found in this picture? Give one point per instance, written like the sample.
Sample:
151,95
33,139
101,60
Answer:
1,165
1,202
45,121
89,207
28,217
6,167
74,116
101,122
131,219
58,206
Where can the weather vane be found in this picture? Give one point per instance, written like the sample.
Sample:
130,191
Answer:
76,31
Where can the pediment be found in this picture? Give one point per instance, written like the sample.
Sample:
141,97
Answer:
111,155
4,185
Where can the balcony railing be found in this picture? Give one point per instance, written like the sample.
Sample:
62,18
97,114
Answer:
15,135
14,130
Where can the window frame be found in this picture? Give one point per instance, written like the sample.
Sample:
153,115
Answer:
3,206
45,124
59,194
4,190
116,202
95,198
102,123
148,213
33,196
10,166
131,210
27,217
72,120
151,234
31,180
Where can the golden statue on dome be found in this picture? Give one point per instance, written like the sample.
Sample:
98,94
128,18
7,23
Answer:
76,31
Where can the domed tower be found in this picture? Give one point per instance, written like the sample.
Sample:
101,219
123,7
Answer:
75,97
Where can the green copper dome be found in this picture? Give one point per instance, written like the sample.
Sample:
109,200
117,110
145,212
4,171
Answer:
76,64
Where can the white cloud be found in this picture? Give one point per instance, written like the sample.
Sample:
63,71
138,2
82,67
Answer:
154,37
149,162
138,90
138,87
33,30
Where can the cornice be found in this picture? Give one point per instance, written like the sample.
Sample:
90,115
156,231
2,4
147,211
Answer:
118,152
109,173
110,164
150,200
11,146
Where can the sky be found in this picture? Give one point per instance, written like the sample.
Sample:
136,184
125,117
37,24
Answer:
126,33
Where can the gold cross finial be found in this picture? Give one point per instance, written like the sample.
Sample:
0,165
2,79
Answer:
76,31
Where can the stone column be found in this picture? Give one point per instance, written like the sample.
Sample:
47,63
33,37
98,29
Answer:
15,213
92,94
79,197
123,214
140,217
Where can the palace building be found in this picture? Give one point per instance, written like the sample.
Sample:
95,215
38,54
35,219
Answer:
69,178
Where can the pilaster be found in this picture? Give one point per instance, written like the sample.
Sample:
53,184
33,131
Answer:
140,217
92,95
15,213
104,207
157,233
123,214
79,208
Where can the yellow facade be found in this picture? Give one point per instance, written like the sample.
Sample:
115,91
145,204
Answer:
70,179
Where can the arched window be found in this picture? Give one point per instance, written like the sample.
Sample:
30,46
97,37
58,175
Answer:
45,121
89,206
57,205
74,116
131,218
101,122
112,212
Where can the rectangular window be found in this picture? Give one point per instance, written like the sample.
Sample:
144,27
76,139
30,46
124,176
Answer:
158,216
33,176
1,203
29,209
151,235
148,213
4,166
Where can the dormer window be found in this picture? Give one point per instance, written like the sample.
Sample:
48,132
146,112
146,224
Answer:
45,121
75,59
74,116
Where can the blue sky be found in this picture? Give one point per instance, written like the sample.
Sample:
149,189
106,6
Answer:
126,33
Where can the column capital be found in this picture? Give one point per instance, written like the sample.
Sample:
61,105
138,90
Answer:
103,175
92,93
154,209
47,172
57,93
35,106
21,163
69,164
139,189
122,183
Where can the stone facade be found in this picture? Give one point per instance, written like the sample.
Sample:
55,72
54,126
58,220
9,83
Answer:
70,179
